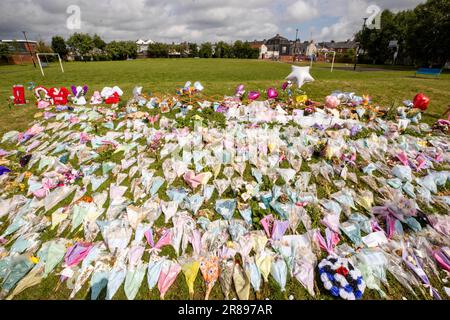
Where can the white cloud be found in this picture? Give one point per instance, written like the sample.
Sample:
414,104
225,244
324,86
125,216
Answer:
303,11
189,20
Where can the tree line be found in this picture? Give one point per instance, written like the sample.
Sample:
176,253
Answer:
422,35
221,49
83,46
86,47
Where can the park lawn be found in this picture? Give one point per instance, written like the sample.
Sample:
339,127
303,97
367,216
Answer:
219,77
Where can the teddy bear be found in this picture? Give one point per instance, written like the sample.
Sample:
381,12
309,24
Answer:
112,95
79,95
96,98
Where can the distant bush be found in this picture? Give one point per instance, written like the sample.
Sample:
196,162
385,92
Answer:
101,57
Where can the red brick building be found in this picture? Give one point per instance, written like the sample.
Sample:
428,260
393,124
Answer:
20,51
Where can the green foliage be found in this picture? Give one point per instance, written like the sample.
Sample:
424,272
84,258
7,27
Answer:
80,43
98,42
158,50
422,34
42,47
206,50
243,50
59,46
4,50
193,50
121,50
223,50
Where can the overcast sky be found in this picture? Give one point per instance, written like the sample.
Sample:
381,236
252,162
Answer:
191,20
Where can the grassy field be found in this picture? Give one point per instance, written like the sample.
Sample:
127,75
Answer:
220,77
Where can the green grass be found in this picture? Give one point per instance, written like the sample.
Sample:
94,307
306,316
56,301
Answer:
220,77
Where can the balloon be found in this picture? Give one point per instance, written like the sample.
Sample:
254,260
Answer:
300,75
421,101
240,90
253,95
332,102
272,93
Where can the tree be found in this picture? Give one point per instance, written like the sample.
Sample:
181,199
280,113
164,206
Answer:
121,50
422,33
431,31
4,50
223,50
42,47
193,50
98,42
206,50
59,46
237,49
158,50
243,50
80,43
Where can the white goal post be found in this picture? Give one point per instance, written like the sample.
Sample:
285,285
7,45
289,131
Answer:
325,53
334,56
48,54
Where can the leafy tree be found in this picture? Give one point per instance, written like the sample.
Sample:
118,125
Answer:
4,50
80,43
223,50
98,42
206,50
59,46
42,47
238,49
121,50
431,30
422,33
243,50
193,50
158,50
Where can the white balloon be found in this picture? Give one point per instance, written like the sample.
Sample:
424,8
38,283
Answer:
300,75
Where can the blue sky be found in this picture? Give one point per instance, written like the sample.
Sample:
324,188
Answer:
190,20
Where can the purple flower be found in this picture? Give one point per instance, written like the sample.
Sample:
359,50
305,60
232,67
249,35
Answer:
4,170
354,130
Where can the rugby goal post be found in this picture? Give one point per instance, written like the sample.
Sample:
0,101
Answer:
332,62
48,54
325,53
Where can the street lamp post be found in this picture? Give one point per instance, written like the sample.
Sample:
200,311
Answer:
28,47
357,48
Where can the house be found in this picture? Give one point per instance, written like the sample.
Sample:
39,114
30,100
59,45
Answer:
280,48
339,47
279,44
142,46
173,53
265,53
257,44
20,51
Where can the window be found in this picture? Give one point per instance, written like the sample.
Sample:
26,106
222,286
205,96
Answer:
283,49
